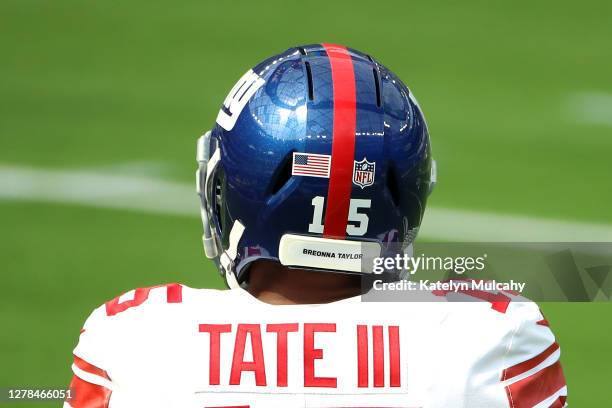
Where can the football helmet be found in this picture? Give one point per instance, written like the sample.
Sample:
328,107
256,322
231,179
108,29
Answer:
318,156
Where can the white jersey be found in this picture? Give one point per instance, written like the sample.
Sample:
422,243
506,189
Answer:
174,346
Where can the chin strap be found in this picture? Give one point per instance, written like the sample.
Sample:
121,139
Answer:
228,257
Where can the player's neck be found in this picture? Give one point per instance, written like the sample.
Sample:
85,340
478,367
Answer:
273,283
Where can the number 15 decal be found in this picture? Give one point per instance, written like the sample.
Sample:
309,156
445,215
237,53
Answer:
360,220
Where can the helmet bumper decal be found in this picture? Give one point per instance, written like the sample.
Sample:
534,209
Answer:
326,254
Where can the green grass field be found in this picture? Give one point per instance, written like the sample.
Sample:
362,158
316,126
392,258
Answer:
90,85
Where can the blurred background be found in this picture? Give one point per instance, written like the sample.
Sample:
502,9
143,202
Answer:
101,103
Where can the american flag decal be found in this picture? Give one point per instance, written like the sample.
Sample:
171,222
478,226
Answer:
312,165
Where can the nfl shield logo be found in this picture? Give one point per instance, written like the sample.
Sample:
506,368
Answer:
363,173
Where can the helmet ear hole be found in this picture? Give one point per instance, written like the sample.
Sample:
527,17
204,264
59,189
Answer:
393,186
217,201
282,174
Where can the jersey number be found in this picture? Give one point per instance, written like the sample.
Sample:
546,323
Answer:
174,294
360,220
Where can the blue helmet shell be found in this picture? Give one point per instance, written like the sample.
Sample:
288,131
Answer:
289,108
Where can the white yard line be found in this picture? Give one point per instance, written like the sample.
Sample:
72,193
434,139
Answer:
98,189
591,107
153,195
462,225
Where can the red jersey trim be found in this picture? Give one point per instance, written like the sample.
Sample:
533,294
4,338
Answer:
85,394
536,388
527,365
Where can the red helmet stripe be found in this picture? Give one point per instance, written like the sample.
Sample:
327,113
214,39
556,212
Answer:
343,141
